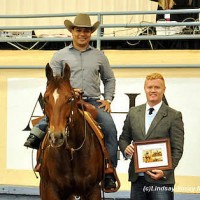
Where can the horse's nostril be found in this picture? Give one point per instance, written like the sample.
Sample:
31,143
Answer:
61,137
56,136
56,139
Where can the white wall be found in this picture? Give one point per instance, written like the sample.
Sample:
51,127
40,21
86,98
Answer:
181,93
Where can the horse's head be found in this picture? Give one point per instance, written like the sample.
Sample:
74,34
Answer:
58,100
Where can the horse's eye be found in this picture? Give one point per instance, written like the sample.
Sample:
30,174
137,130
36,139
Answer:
45,99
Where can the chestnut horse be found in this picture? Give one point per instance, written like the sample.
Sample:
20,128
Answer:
72,158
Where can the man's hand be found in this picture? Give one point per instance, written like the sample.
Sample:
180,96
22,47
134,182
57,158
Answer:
105,104
78,92
156,174
129,150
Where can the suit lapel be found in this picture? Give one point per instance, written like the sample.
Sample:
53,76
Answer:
162,112
141,115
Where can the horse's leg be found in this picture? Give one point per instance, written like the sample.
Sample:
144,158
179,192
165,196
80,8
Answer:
43,190
48,192
71,197
94,193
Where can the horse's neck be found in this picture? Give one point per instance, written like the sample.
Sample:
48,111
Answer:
78,126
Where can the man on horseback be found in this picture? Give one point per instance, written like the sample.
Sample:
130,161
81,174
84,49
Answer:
88,67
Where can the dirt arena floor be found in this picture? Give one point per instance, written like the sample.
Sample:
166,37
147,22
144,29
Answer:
28,197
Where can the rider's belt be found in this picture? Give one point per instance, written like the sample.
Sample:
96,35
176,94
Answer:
90,98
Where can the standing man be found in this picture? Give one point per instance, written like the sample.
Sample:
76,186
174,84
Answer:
153,120
89,67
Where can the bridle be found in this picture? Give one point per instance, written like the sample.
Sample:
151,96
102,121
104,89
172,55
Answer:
70,124
72,149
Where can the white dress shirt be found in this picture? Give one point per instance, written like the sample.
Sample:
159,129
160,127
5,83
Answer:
149,117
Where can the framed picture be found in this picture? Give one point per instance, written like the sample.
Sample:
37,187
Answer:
152,154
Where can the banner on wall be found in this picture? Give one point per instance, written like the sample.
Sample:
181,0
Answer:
182,94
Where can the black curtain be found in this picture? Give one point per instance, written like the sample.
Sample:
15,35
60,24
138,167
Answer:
187,17
182,4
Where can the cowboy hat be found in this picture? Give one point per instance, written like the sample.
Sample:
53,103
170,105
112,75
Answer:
81,20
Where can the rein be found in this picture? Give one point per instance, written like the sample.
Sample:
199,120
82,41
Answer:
72,149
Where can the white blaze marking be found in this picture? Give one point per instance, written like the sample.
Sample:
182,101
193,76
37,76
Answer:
55,95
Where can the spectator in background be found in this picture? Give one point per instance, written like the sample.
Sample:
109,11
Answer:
178,4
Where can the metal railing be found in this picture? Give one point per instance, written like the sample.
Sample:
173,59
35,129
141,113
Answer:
180,66
100,37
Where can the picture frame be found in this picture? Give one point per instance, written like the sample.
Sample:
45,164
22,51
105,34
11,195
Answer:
152,154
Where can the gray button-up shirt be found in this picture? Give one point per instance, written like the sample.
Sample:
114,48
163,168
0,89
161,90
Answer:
87,68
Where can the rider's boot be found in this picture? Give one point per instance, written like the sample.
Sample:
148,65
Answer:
109,182
34,139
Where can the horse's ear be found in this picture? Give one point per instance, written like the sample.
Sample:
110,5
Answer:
66,72
49,72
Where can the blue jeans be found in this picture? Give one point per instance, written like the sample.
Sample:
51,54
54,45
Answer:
109,130
143,190
107,126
